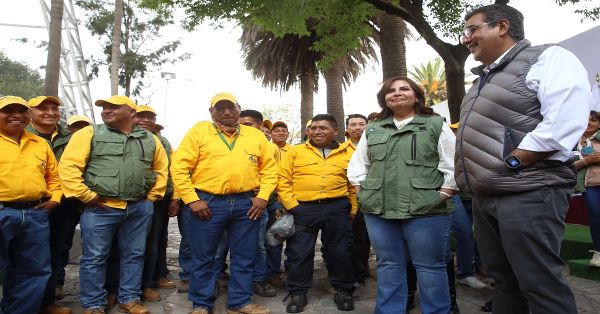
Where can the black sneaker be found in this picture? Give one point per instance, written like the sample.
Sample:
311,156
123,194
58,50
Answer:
343,301
297,302
263,289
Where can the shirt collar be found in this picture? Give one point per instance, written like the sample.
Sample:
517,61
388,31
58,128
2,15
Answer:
495,63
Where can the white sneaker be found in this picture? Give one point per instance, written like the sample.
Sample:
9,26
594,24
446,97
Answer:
595,262
472,282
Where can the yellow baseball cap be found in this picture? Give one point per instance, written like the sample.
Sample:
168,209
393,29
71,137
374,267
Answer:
454,125
36,101
279,123
222,96
144,108
268,124
10,100
74,119
116,100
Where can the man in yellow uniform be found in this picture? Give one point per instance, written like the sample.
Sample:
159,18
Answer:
118,170
45,118
313,185
361,245
29,190
224,172
155,264
279,136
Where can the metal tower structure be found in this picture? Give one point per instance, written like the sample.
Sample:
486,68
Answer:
74,88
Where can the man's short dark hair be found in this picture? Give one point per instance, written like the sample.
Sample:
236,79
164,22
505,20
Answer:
355,115
496,12
257,116
325,117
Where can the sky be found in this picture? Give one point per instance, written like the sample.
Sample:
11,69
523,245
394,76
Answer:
216,63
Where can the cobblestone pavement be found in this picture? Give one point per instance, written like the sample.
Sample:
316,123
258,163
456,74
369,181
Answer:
587,292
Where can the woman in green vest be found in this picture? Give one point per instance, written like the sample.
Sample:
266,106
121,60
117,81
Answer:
588,179
403,169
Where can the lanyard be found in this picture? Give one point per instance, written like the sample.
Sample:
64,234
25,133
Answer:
230,146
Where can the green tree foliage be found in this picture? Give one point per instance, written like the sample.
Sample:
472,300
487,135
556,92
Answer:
432,77
589,8
140,28
18,79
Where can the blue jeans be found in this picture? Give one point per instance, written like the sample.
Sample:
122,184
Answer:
273,252
185,247
462,227
154,263
592,202
260,262
98,227
63,221
221,256
229,213
24,258
425,240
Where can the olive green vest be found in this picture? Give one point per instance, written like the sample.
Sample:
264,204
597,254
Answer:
59,142
120,165
403,179
167,146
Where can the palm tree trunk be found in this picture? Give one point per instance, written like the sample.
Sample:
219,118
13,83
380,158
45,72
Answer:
335,95
307,90
392,47
54,48
115,61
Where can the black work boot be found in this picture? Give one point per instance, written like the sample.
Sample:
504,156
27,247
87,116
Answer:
297,302
264,289
452,286
343,300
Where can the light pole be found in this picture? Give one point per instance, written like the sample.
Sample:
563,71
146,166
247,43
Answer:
167,76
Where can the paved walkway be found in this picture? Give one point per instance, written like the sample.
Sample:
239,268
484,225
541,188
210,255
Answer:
587,292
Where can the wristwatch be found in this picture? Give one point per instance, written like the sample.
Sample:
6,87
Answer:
513,163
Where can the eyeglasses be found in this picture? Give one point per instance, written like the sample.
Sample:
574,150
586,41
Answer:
469,30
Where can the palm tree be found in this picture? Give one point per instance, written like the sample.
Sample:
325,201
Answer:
433,79
281,62
392,32
54,48
115,61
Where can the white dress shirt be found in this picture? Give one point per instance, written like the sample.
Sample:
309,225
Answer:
562,87
359,163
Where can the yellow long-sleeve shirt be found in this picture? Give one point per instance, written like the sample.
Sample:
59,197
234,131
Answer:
215,169
77,153
305,175
28,170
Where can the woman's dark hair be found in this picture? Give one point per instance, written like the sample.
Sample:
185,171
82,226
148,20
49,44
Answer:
594,115
420,106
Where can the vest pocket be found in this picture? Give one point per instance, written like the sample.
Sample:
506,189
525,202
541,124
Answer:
105,182
425,199
102,148
370,197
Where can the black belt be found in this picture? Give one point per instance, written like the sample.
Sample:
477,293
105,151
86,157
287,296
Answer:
250,194
323,200
21,205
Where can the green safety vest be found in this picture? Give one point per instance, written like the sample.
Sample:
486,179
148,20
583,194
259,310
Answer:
59,142
167,146
403,179
120,165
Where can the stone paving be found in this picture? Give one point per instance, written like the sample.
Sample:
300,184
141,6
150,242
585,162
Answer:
587,292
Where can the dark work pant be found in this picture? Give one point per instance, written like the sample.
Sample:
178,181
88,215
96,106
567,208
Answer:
63,221
519,237
361,248
273,252
333,219
155,258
